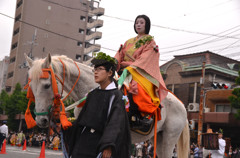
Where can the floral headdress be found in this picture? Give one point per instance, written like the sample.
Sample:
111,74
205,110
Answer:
102,58
220,131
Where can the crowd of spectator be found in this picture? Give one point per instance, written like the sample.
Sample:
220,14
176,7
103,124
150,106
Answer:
197,152
142,150
34,140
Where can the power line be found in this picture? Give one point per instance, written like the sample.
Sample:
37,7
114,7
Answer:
228,46
78,40
196,45
51,31
163,27
203,38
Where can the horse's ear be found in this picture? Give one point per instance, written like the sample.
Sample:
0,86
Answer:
47,61
29,60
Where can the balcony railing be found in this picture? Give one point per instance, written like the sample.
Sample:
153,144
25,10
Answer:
95,35
95,24
92,48
96,11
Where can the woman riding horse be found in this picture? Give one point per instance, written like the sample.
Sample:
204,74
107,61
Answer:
140,56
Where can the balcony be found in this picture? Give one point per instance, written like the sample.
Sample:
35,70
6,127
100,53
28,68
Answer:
3,117
95,35
95,24
96,11
92,48
215,117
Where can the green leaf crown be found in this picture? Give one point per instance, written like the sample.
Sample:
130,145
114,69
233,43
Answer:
104,56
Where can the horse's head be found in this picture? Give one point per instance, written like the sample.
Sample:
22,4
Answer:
41,85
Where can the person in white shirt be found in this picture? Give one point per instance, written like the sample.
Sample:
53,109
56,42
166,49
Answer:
3,132
222,143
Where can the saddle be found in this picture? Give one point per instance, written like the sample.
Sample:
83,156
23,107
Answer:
138,123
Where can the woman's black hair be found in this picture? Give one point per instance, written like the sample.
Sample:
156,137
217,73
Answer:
147,24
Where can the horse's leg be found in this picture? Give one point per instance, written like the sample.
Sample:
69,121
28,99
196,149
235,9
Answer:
169,137
166,144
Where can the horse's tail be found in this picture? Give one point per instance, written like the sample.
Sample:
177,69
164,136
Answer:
183,146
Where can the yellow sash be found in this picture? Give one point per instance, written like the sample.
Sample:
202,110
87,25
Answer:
147,85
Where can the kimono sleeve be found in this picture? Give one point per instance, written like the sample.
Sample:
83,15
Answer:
116,133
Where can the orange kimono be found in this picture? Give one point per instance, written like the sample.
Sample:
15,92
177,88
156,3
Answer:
143,64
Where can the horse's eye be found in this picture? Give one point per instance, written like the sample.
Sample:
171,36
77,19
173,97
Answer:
47,86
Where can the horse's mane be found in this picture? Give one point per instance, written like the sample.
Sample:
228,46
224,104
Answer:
36,70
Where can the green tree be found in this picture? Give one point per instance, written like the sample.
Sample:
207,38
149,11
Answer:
68,102
4,100
235,98
17,104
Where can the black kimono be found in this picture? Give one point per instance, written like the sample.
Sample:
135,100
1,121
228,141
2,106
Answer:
103,122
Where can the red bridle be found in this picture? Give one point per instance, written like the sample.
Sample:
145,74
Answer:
57,102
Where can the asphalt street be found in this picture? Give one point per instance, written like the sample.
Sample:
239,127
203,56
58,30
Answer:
31,152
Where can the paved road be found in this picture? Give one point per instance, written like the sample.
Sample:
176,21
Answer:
31,152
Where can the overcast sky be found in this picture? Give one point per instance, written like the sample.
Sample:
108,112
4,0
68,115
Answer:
178,26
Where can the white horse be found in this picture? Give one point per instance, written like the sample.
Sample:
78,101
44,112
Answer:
172,128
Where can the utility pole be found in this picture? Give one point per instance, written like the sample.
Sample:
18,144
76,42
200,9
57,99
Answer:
200,117
30,54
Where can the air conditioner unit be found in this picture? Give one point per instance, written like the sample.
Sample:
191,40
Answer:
193,107
206,110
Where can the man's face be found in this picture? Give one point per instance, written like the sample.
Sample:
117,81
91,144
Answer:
101,75
220,135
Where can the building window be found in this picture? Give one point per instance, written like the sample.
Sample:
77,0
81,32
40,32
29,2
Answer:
16,31
8,88
83,18
169,87
14,45
191,92
224,108
175,89
80,44
12,60
18,17
45,35
47,22
89,32
10,74
84,4
78,57
19,3
81,31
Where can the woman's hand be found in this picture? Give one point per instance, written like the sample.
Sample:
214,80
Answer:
107,152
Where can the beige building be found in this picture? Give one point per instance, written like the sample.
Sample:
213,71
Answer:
3,72
67,27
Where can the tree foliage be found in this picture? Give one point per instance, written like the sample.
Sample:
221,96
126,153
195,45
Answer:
14,104
235,98
4,99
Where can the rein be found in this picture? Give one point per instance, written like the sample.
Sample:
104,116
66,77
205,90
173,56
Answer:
57,102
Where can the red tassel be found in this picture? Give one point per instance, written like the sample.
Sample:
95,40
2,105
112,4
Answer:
64,121
63,118
28,117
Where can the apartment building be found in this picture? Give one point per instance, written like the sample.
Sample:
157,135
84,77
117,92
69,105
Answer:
67,27
183,76
3,72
